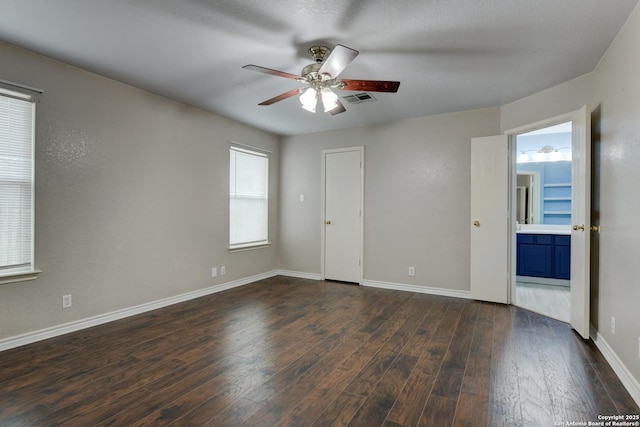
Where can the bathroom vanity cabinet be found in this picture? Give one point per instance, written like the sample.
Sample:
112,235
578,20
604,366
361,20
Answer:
544,255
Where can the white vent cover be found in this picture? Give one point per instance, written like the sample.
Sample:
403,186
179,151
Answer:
359,98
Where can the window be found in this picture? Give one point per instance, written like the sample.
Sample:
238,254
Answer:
248,198
17,114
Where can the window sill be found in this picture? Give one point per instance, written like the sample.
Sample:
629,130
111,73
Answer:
18,276
249,247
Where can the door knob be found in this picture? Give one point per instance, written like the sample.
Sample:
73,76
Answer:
578,227
327,222
476,223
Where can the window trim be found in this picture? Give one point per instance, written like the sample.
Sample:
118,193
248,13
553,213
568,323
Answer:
25,271
259,244
14,276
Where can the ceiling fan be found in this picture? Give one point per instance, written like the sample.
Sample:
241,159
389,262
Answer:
321,77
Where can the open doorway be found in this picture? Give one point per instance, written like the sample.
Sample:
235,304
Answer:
493,198
543,214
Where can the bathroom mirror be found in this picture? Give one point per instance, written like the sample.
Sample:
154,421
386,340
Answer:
543,188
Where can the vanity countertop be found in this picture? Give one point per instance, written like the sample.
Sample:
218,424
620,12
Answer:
543,229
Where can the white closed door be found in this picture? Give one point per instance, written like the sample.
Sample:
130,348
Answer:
342,214
489,227
581,220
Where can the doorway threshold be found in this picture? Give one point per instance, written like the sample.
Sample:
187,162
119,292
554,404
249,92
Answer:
549,300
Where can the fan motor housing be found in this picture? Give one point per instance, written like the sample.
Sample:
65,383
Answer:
310,70
319,53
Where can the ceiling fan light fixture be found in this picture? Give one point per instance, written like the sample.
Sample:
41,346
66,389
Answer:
322,76
309,99
329,99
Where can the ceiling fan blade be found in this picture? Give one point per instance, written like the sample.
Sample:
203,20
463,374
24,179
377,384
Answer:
282,96
370,85
338,109
270,71
338,59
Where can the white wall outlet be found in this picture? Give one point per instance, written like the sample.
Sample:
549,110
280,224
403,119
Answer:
613,325
214,271
66,301
302,197
223,270
412,271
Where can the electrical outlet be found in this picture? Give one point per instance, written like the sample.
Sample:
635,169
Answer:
412,271
223,270
66,301
613,325
638,347
214,271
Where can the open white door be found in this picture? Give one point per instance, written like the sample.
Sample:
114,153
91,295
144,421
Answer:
489,218
581,220
342,214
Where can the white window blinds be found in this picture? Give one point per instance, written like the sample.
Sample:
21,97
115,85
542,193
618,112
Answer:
248,198
17,113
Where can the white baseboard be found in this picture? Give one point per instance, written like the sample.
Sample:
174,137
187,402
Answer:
417,288
299,274
386,285
54,331
626,378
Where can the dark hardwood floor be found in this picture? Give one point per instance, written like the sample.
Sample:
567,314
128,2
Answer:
294,352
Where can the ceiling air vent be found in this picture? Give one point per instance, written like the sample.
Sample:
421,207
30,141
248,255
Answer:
359,98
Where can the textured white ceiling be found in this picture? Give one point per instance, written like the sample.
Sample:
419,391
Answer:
449,55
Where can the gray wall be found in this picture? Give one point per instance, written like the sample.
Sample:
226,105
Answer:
131,197
616,105
561,99
416,197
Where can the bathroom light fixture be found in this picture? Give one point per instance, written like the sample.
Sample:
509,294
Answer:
540,156
524,157
545,154
547,149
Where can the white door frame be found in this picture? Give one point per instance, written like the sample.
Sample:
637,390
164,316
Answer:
360,149
513,150
580,314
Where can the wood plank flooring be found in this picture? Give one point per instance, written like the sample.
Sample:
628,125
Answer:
295,352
